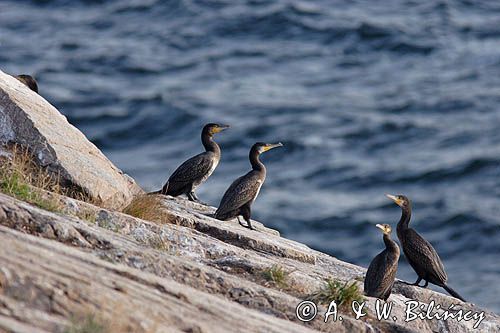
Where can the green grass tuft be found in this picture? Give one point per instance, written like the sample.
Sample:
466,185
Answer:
342,293
277,275
88,324
20,178
13,183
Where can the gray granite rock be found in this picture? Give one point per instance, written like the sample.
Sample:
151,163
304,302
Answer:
29,120
212,266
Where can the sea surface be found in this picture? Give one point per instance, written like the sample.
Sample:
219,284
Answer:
368,97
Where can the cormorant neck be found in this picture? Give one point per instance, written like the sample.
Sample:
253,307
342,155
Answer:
405,218
209,143
257,165
389,243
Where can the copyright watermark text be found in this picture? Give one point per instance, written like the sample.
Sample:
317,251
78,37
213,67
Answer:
308,310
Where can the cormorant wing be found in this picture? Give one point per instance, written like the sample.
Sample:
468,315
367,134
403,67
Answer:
380,275
420,252
193,169
241,191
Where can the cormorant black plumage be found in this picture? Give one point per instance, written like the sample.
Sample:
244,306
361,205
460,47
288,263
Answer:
420,253
196,170
243,191
29,81
381,273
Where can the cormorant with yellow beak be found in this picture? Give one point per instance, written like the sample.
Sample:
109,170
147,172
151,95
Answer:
240,196
192,173
381,273
420,253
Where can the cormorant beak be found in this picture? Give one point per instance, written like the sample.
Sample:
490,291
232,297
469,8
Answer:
384,229
220,128
398,202
272,146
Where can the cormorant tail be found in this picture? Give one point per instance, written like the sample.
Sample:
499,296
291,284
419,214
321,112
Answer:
155,192
453,293
164,190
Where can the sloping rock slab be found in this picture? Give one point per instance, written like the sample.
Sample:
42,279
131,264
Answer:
200,261
63,281
28,119
263,239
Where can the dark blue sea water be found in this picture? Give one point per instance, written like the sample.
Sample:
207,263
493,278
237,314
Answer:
369,97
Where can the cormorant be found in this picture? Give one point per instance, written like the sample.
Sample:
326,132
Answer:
29,81
419,252
243,191
190,174
381,273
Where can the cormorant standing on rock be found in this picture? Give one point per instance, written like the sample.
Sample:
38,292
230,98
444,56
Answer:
190,174
419,252
243,191
381,273
29,81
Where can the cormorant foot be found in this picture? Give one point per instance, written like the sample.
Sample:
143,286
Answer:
192,197
200,202
416,284
248,225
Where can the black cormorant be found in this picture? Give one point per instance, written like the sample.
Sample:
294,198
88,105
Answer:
243,191
381,273
197,169
29,81
419,252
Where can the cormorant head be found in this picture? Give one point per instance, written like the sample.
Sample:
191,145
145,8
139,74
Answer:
385,228
262,147
400,200
212,128
29,81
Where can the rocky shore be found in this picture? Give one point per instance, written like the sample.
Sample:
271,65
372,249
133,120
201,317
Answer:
104,258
